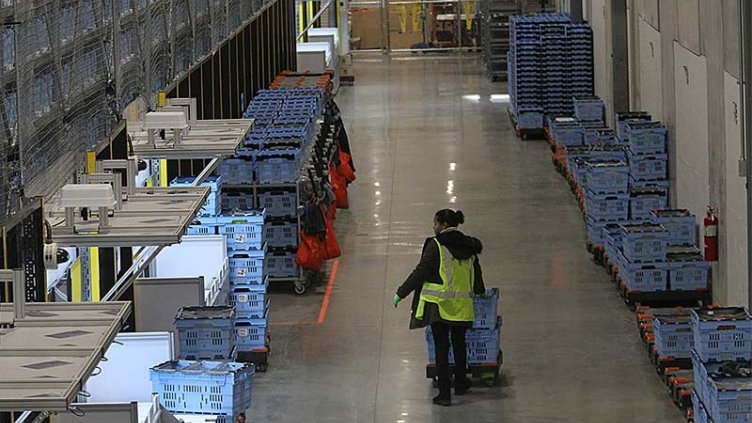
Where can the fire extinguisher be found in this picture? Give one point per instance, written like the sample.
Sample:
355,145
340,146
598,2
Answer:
711,235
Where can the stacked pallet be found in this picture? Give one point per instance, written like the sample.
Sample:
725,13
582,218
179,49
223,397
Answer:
549,63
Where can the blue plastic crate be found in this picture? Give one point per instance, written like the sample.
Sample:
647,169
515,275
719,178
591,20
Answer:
247,268
251,334
730,400
236,171
600,136
215,388
644,200
673,336
279,203
482,346
281,264
646,137
644,277
687,272
530,119
644,167
622,118
200,229
278,166
249,304
644,242
244,231
700,413
205,333
240,201
486,309
722,333
607,177
662,184
680,223
606,207
595,231
280,234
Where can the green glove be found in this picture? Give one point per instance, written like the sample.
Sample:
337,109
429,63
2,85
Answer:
396,300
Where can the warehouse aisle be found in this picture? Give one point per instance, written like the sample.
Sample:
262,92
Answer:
426,135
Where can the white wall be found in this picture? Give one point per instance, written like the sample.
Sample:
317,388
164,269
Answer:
734,245
650,81
691,160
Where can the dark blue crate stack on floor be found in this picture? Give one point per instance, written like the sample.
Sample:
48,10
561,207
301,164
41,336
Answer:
205,333
642,258
606,198
589,109
213,205
219,389
549,62
483,341
722,364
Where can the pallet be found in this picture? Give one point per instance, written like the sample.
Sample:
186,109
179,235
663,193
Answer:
680,383
487,373
525,133
634,299
259,358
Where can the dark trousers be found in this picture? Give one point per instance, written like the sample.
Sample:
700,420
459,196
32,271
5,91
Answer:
441,335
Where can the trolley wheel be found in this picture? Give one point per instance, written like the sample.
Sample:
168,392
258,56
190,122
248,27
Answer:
261,367
300,289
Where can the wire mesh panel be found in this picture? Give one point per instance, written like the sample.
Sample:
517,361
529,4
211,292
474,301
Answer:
182,35
202,31
238,11
159,65
218,21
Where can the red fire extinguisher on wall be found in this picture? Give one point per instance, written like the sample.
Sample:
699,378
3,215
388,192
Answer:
710,224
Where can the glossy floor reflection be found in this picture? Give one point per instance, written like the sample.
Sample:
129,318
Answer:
426,135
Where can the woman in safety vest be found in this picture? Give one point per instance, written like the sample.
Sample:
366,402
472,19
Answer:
444,282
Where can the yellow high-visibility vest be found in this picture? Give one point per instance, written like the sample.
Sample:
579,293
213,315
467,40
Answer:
454,295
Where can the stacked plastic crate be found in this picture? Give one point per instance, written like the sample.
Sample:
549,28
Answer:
606,199
246,251
648,163
687,268
483,341
278,167
549,63
722,365
205,380
672,336
221,389
642,257
213,205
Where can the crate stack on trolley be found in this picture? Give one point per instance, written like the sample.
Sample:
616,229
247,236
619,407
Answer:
550,61
483,341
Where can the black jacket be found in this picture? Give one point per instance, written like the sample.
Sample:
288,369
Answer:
461,247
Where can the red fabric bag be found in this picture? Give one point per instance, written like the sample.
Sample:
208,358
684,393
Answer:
329,246
344,167
339,186
309,252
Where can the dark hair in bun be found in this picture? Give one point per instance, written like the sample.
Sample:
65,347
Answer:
450,217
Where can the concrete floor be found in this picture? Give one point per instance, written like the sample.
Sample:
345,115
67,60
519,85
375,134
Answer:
426,136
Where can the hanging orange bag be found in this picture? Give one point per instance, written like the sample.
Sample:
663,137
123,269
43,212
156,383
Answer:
329,246
344,167
339,186
309,252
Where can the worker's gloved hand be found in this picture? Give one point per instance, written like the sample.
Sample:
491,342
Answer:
396,300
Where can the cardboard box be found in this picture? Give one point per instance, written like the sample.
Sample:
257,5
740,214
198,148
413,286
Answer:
365,24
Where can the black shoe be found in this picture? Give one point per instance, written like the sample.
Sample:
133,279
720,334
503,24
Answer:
462,388
444,402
